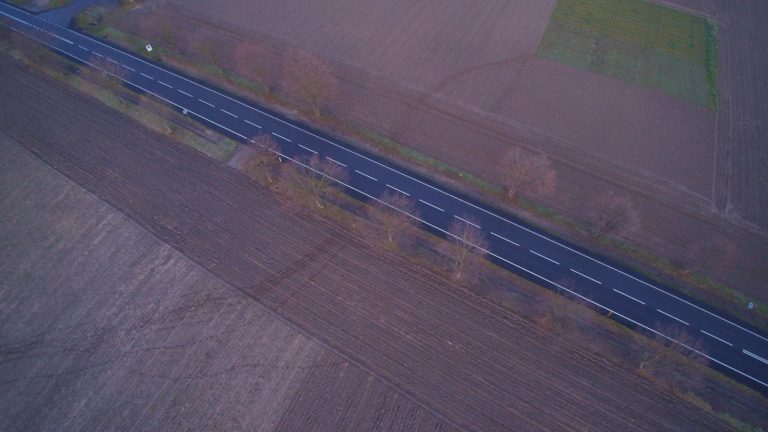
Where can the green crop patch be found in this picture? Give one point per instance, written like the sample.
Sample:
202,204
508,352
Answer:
639,42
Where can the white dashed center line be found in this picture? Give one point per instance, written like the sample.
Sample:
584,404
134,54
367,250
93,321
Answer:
83,47
281,137
398,190
336,162
145,75
366,175
307,149
542,256
252,124
715,337
505,239
129,68
207,103
754,356
183,92
629,296
112,60
162,83
228,113
97,54
671,316
587,277
431,205
466,221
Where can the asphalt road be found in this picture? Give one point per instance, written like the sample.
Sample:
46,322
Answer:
731,346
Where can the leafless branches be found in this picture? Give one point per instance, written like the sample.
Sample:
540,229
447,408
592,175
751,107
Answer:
527,173
311,181
614,215
255,61
466,247
309,78
391,218
264,163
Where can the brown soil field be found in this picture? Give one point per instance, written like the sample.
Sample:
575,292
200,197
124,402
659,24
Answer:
105,327
477,366
692,173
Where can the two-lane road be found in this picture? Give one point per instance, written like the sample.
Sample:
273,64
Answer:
730,346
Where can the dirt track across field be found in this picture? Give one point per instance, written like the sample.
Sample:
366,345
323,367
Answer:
473,364
603,134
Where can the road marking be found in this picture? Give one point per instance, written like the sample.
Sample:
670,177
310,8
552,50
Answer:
446,193
59,37
366,175
398,190
672,316
97,54
713,336
464,220
542,256
112,60
307,149
754,356
252,124
281,137
207,103
84,48
504,238
184,93
129,68
350,187
145,75
585,276
629,296
162,83
227,112
431,205
335,161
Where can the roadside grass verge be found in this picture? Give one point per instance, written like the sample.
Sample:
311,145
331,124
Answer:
345,210
639,259
37,7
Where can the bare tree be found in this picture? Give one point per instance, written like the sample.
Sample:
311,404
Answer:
310,78
312,179
391,216
613,215
565,311
713,255
466,247
663,357
264,163
256,62
524,172
105,73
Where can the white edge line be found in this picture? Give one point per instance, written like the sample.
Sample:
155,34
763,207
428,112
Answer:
307,149
504,238
713,336
629,296
585,276
755,356
252,124
431,205
398,190
335,161
672,316
409,177
588,300
542,256
466,221
366,175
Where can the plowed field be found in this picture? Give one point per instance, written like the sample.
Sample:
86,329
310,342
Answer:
475,366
